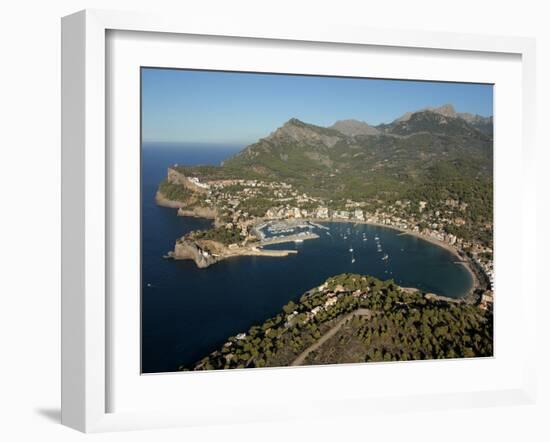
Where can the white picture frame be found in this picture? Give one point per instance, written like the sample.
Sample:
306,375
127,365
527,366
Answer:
86,352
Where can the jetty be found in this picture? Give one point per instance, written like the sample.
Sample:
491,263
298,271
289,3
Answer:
302,236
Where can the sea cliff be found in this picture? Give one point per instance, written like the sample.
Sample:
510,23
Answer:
207,252
164,201
189,249
198,212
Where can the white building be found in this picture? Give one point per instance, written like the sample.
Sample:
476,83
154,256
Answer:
341,214
322,212
330,301
197,183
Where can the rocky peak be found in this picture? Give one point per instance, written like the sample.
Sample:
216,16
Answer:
476,120
294,122
296,131
354,127
447,110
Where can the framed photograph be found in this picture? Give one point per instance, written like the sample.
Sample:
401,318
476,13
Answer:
265,222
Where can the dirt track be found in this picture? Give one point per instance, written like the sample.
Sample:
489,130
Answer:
359,312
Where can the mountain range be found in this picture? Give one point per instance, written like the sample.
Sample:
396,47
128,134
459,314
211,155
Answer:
354,127
434,155
352,159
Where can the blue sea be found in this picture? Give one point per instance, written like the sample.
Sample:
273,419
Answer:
189,312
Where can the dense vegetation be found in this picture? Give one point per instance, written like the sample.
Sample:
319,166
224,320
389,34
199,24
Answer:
222,235
420,329
451,180
175,192
375,321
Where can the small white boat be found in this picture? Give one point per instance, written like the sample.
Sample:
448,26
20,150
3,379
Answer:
352,260
351,250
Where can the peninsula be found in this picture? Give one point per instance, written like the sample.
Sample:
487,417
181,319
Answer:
353,318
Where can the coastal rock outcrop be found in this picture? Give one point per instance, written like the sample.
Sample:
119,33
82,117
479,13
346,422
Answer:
163,201
174,176
199,212
188,249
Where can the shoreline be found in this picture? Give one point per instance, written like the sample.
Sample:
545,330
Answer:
223,252
468,295
453,250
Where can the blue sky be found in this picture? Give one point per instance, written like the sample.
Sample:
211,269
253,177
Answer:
222,107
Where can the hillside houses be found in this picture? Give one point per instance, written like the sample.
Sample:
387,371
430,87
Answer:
241,204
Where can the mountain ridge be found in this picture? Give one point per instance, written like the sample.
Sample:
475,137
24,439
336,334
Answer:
316,142
429,157
352,127
410,160
297,130
480,122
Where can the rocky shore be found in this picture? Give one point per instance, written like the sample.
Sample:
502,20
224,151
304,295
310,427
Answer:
183,208
188,249
162,201
207,252
198,212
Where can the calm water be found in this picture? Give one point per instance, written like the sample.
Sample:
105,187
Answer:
189,312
